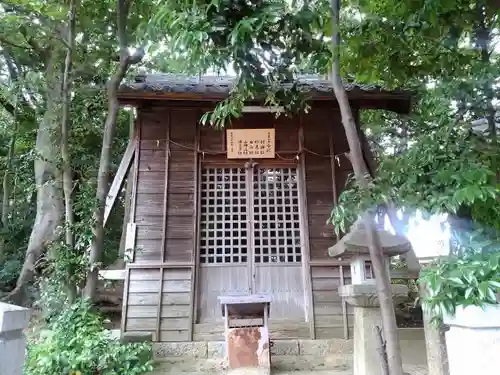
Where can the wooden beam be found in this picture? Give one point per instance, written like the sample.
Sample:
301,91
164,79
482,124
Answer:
304,223
193,317
156,265
122,172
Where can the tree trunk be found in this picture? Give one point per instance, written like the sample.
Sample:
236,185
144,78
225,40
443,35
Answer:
65,128
6,180
383,282
96,248
49,202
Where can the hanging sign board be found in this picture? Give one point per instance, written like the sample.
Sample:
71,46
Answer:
250,143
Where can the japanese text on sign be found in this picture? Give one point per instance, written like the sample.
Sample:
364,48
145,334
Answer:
250,143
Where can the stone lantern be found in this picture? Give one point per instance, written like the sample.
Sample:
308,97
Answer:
362,293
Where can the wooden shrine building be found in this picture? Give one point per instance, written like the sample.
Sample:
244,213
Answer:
236,211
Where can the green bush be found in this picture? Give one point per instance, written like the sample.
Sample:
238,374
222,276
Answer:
76,343
461,281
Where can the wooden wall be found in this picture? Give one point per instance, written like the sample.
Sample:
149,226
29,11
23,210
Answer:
326,170
160,292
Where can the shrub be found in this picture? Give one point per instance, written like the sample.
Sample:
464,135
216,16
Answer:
461,281
76,343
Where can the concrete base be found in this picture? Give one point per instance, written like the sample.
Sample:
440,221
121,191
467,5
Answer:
437,356
367,317
335,355
366,351
473,340
13,320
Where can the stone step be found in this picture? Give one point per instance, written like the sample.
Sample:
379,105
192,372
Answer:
274,372
279,364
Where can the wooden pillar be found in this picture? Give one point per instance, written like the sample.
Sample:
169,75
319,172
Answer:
306,257
164,235
193,312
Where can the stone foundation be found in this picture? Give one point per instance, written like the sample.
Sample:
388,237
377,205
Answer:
287,355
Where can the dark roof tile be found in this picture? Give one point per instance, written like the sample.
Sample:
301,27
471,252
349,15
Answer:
218,87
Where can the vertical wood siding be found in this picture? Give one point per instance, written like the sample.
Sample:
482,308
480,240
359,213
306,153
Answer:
161,298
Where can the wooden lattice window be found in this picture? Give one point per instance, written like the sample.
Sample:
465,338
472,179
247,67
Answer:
225,210
276,223
223,221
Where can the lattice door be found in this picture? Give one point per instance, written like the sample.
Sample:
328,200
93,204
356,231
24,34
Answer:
277,255
250,239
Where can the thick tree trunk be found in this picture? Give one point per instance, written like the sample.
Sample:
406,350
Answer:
49,200
383,282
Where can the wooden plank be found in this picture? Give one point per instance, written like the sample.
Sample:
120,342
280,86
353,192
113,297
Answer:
326,296
152,160
328,262
151,182
126,300
169,286
326,284
304,233
149,232
178,204
175,324
139,274
320,228
326,321
179,227
152,274
142,299
145,311
122,172
319,249
325,272
141,333
137,156
177,274
174,336
150,204
149,324
142,255
130,236
158,307
330,308
153,128
181,204
156,144
168,299
161,265
180,249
